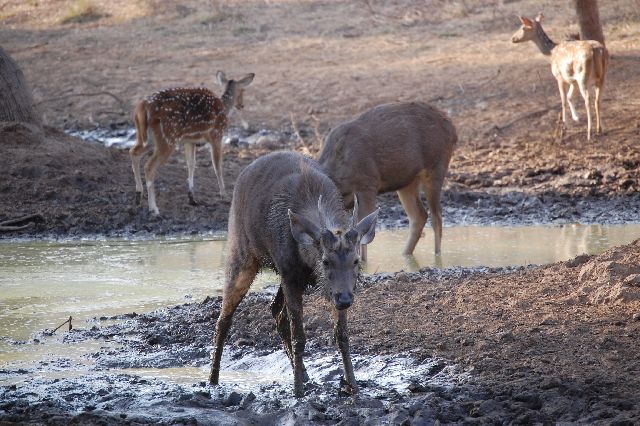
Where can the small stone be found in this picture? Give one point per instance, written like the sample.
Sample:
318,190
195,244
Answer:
247,400
233,399
636,316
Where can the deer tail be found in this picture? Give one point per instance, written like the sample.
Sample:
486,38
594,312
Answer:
140,120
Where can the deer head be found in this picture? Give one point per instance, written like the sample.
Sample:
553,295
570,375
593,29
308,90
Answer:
528,30
337,262
234,89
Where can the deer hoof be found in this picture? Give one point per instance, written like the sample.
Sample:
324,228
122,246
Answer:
138,198
347,388
192,201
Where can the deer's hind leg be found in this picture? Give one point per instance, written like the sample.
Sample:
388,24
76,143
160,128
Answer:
570,92
410,199
136,152
240,275
279,313
599,86
215,140
293,288
190,156
161,152
432,185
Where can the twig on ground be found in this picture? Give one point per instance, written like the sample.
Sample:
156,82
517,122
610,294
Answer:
532,114
122,103
13,224
67,321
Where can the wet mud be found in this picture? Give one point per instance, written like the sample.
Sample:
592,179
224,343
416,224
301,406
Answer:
458,345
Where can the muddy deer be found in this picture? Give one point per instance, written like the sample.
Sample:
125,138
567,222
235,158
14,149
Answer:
576,64
403,147
288,215
183,115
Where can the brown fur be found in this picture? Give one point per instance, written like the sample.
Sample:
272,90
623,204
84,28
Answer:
403,147
576,64
288,215
183,115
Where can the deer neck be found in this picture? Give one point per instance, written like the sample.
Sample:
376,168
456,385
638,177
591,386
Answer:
544,43
228,98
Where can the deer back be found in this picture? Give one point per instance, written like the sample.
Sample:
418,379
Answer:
263,194
186,112
387,146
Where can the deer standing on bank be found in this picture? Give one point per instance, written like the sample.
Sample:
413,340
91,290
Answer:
187,116
288,215
576,64
401,146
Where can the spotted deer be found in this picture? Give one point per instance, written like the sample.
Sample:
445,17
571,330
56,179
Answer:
287,214
183,115
402,146
575,64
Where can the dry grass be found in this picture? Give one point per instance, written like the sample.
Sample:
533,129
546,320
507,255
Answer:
81,11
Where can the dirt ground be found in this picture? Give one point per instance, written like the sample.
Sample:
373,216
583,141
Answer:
555,343
501,96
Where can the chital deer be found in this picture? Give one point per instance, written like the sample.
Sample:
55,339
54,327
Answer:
403,147
288,215
183,115
575,64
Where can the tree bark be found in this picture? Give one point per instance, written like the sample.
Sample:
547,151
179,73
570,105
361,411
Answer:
16,101
589,20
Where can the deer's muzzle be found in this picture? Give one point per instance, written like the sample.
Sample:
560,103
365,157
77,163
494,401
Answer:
343,300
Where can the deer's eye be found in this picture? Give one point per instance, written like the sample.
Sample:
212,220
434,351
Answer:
355,262
325,262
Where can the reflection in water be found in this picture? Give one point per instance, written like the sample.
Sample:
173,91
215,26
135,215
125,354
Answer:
43,283
496,246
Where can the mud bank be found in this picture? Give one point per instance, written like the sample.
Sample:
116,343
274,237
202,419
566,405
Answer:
80,189
523,345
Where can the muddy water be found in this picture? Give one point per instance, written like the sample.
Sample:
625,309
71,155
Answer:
43,283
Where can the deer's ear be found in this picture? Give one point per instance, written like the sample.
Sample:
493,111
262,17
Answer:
525,21
222,78
367,227
303,230
246,80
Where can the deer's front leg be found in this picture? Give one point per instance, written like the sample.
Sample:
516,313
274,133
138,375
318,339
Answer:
342,339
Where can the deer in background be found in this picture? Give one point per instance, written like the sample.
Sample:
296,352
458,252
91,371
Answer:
575,64
183,115
404,147
288,215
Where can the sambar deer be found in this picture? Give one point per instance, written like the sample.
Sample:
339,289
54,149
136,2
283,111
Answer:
574,63
401,146
288,215
183,115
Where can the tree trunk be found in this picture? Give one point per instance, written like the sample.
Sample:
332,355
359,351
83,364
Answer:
589,20
16,101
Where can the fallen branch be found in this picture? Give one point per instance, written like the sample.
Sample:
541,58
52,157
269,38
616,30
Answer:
67,321
13,224
498,128
15,228
123,104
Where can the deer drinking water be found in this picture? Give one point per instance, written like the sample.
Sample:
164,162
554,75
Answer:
288,215
403,147
575,64
183,115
